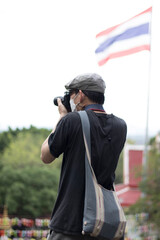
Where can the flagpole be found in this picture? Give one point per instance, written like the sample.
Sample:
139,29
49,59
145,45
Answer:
145,156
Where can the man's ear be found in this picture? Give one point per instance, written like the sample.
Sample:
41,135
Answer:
82,96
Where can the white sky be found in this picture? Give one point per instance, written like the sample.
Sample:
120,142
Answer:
45,44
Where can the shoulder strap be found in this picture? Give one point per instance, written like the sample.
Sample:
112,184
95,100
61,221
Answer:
86,133
87,139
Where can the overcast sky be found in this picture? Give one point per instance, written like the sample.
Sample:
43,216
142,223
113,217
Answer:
45,44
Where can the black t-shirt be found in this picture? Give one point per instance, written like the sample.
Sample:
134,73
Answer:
108,135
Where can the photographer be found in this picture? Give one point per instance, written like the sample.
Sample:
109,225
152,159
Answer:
108,135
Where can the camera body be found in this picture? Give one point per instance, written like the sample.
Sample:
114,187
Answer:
65,101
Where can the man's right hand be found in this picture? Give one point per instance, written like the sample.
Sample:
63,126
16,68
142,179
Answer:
61,108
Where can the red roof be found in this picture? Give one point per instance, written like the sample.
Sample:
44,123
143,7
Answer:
127,195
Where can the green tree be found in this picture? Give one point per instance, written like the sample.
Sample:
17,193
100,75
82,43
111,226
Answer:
29,191
119,170
27,186
150,186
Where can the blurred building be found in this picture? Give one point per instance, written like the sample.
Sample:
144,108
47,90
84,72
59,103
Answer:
128,192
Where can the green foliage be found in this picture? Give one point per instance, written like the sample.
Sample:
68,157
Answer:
28,186
30,192
7,137
119,170
150,186
130,141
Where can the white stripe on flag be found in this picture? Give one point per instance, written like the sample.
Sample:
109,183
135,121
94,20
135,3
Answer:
124,45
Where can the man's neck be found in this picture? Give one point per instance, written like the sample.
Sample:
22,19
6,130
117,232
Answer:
95,107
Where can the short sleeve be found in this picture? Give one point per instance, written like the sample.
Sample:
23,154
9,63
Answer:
58,140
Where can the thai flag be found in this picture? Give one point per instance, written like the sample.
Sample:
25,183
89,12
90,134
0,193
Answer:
129,37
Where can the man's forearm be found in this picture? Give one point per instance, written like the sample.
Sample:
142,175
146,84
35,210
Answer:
46,155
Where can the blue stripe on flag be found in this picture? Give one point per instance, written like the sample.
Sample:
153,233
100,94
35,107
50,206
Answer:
129,33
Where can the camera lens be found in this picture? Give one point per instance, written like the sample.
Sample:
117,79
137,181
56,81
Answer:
55,100
65,101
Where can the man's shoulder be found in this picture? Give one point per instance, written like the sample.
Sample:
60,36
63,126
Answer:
71,117
119,121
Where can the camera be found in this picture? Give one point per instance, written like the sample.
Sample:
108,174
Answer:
65,101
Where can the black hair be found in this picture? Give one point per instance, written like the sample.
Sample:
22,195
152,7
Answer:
71,91
96,97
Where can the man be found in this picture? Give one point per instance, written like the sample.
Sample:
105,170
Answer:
108,135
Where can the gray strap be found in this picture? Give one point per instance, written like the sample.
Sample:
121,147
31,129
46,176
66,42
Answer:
86,129
87,139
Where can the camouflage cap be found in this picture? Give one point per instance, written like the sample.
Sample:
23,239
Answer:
90,82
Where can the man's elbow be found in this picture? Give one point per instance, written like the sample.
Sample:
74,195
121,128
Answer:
46,156
47,159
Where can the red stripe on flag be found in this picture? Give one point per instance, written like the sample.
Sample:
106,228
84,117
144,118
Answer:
108,30
147,10
124,53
